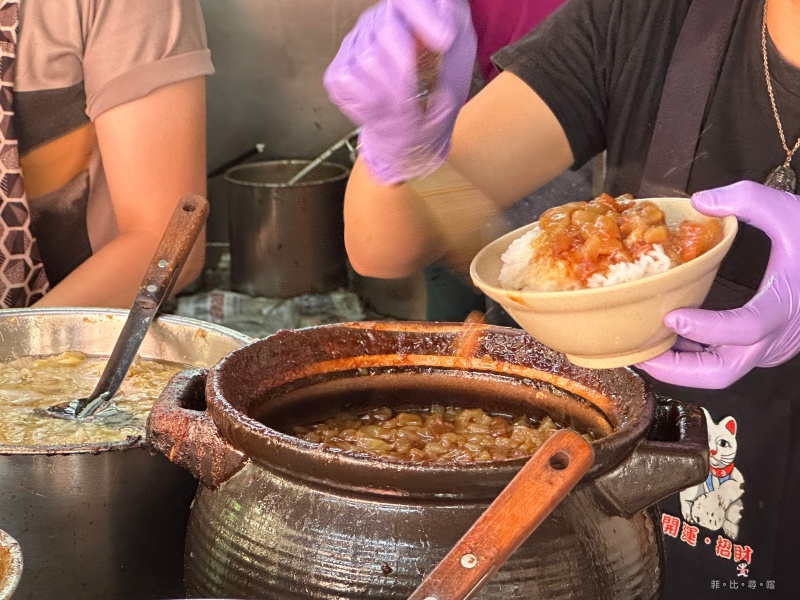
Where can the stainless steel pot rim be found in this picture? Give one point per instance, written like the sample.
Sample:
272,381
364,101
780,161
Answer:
123,313
309,180
71,449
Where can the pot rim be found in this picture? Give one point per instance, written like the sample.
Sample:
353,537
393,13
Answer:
272,447
230,174
8,313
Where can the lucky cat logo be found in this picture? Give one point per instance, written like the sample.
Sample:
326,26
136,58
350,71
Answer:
717,502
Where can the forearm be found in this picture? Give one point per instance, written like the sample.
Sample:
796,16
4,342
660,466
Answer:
385,236
503,144
111,277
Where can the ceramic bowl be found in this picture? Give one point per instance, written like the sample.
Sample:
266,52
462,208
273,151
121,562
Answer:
613,326
10,565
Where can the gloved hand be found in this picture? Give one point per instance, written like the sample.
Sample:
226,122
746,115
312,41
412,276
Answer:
720,347
373,80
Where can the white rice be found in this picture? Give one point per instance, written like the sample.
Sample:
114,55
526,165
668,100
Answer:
650,263
521,272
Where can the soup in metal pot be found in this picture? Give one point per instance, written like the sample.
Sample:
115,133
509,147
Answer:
31,383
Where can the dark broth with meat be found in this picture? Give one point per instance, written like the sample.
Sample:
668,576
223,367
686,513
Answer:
436,435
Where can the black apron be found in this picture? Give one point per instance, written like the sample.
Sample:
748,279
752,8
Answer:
734,534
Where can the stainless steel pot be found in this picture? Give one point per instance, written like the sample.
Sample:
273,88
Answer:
280,518
286,240
10,565
101,521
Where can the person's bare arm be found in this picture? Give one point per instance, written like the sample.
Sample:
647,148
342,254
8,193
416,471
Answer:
506,141
153,152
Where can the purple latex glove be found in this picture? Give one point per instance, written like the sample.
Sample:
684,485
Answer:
373,80
719,347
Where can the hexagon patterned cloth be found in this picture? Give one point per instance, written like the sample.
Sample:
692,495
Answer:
22,276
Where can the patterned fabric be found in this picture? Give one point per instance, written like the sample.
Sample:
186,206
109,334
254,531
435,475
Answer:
22,277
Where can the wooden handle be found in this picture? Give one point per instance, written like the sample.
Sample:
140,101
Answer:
447,201
466,343
475,317
534,492
176,244
429,63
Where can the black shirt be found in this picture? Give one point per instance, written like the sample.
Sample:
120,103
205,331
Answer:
600,67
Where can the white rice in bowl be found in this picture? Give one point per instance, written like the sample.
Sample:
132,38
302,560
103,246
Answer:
522,273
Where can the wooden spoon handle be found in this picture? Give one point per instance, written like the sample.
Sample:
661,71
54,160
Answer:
534,492
447,201
429,63
176,244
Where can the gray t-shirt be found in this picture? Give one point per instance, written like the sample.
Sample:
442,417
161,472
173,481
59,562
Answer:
77,59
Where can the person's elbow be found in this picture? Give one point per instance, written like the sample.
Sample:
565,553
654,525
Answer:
370,258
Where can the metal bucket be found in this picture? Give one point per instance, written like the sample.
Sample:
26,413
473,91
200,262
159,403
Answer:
286,240
99,521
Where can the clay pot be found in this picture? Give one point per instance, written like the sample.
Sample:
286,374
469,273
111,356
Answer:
277,517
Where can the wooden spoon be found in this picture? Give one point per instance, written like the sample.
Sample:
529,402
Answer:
524,503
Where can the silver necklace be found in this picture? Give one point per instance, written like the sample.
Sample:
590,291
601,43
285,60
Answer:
783,176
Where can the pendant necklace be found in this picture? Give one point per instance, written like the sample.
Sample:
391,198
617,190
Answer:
783,176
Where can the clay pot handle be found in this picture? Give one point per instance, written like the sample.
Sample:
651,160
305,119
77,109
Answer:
180,428
672,457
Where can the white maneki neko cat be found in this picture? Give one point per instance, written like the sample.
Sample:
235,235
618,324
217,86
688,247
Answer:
717,502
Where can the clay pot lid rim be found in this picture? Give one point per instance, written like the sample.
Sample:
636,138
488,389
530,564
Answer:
230,419
225,415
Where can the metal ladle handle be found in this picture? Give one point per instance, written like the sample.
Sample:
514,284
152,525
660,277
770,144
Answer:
177,242
345,141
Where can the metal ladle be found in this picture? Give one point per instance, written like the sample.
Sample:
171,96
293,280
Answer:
345,141
176,244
